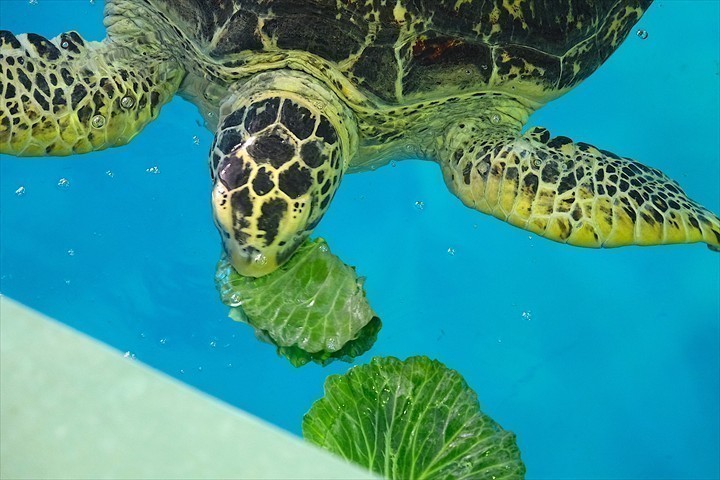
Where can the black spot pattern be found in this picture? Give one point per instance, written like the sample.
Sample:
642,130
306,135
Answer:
571,193
311,154
295,181
272,212
241,203
299,120
262,184
273,148
261,115
234,172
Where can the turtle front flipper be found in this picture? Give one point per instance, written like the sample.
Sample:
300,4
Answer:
569,192
65,95
281,148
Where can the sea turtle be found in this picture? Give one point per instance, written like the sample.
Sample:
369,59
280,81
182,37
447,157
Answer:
299,93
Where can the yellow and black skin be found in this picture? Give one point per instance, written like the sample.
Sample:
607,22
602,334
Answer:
300,93
66,96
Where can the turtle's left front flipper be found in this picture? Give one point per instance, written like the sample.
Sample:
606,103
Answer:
569,192
65,95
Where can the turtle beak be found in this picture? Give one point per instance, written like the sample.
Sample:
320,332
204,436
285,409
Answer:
248,260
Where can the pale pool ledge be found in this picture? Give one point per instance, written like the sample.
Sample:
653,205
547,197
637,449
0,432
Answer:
73,408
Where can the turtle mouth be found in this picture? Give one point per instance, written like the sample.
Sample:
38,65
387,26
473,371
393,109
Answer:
248,260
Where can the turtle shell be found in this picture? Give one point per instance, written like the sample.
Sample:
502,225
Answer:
400,50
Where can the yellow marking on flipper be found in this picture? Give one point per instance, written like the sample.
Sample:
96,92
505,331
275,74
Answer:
623,231
68,129
492,186
544,204
647,230
537,225
522,210
558,228
584,236
602,215
675,234
507,198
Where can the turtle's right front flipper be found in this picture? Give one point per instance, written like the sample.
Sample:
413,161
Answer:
569,192
65,96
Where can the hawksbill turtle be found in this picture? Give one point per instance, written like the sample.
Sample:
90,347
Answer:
299,93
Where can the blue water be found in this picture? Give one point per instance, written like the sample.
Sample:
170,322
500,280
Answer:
605,363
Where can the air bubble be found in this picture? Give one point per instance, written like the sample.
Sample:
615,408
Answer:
213,343
324,248
259,259
451,251
420,205
20,191
63,183
129,355
527,315
163,341
127,102
642,34
196,140
109,173
393,164
537,162
98,121
71,252
495,118
233,300
154,170
33,2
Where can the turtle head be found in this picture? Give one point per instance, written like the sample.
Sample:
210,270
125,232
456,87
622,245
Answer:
279,154
276,166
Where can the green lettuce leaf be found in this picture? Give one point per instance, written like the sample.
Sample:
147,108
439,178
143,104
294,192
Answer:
411,420
313,308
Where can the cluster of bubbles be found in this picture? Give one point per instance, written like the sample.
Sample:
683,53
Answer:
642,34
419,205
154,170
20,191
63,183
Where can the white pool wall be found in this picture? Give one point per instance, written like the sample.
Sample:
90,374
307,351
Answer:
71,407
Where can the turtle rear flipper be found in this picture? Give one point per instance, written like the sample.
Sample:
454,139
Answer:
569,192
65,95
